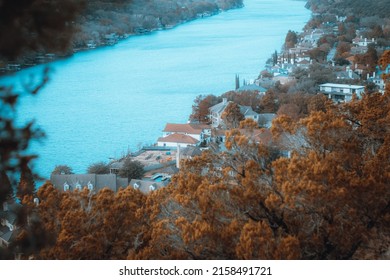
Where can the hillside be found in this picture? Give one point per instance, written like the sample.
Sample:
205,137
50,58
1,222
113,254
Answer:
358,8
122,18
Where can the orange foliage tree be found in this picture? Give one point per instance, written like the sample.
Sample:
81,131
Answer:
85,225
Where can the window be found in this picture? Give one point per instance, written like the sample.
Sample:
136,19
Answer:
339,97
90,186
78,186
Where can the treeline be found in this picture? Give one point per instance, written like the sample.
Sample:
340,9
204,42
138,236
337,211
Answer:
138,16
358,8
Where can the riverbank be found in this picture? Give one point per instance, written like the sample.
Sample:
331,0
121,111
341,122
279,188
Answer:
105,25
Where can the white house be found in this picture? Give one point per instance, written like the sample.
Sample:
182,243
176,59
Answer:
177,139
341,92
363,42
196,131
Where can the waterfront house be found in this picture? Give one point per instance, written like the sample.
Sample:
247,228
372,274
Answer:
196,131
177,139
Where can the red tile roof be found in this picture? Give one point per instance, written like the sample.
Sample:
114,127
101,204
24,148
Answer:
185,128
178,138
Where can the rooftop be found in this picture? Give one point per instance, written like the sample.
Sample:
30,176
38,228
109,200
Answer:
342,86
178,138
189,128
191,151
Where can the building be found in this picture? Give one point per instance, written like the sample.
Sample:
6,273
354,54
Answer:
8,228
177,139
94,182
363,42
341,92
265,119
217,110
196,131
347,74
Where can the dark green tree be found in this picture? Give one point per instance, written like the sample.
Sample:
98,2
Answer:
132,169
62,169
275,58
237,82
98,168
26,186
291,39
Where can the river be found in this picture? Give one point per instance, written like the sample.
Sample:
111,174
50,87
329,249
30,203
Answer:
101,103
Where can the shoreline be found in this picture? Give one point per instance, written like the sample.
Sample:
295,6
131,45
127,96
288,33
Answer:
111,39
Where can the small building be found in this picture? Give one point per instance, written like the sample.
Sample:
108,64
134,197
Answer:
363,42
347,74
8,228
265,119
378,81
341,92
111,39
177,139
197,131
115,166
13,67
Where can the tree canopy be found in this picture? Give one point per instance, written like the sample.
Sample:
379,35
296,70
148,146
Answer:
98,168
132,169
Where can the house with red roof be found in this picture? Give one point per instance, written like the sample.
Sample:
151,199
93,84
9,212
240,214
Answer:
177,139
197,131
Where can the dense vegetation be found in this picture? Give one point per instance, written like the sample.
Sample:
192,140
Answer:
358,8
